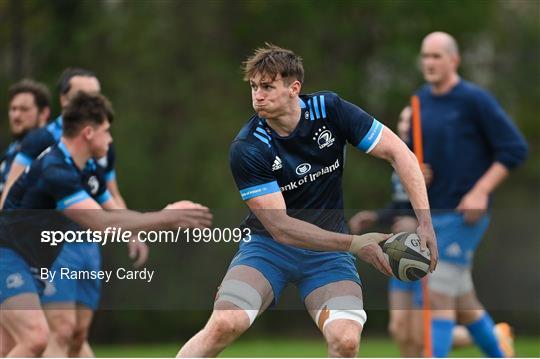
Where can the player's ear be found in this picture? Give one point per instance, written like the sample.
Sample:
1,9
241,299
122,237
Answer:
456,60
87,132
294,89
64,100
43,116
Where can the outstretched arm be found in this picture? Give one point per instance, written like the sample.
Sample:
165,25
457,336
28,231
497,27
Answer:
396,152
270,209
89,214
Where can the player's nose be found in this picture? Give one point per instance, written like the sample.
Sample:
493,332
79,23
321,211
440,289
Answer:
14,115
258,94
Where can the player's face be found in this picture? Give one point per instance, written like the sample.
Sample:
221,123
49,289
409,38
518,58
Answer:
100,139
84,84
438,64
269,97
23,114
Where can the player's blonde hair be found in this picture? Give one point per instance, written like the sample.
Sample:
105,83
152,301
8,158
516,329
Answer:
272,60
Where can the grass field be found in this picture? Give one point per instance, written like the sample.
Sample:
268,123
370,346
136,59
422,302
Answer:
372,347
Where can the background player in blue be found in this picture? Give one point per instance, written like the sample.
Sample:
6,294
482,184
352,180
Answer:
405,298
29,108
470,144
65,178
71,81
61,298
287,162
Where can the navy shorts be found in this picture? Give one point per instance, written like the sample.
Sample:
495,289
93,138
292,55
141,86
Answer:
457,240
16,276
414,288
282,264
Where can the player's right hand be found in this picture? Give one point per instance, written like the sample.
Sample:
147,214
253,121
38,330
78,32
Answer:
367,248
190,215
429,241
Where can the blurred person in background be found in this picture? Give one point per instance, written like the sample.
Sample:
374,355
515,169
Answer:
406,298
69,304
63,186
29,108
470,145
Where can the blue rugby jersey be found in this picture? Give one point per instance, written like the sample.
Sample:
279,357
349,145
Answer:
52,183
40,139
6,160
464,132
307,165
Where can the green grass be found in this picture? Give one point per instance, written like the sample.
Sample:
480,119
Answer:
370,347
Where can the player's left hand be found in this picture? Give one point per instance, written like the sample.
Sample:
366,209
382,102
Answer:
367,248
138,252
473,205
427,239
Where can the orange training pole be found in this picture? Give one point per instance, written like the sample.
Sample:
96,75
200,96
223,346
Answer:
419,152
418,148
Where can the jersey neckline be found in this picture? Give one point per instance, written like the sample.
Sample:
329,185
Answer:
444,95
89,165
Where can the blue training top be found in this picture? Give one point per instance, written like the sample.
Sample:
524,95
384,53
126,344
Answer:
307,165
464,132
51,184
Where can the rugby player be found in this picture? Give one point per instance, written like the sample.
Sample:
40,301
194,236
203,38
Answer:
66,181
287,162
69,304
29,108
470,145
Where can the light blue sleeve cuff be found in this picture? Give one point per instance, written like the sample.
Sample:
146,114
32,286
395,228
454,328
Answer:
372,137
22,159
259,190
104,197
110,176
71,200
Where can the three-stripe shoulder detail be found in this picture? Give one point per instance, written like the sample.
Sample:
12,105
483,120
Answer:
317,107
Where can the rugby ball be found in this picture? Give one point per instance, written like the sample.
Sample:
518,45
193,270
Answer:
407,261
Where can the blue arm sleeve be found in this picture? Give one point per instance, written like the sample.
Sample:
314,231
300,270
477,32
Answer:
509,146
110,173
251,168
33,144
64,186
359,128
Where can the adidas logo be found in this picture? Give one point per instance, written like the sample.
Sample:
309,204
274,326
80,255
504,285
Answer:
277,164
